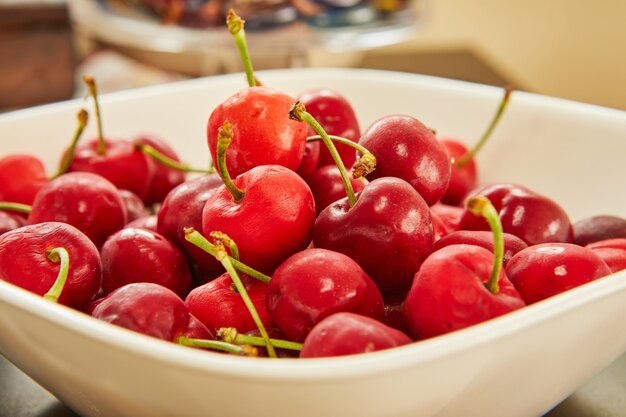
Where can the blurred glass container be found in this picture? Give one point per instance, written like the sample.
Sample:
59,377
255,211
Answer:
280,33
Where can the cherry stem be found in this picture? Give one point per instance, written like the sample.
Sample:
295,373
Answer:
222,256
224,138
218,345
93,91
83,117
481,206
163,159
471,153
231,335
298,112
225,239
194,237
60,256
236,27
16,207
365,164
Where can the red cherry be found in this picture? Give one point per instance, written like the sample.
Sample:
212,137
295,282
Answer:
612,252
440,228
530,216
135,208
9,222
263,133
483,238
146,222
407,149
543,270
327,186
388,232
310,160
337,117
85,200
450,215
21,178
273,220
139,255
462,179
217,304
348,334
449,292
182,208
24,261
596,228
315,283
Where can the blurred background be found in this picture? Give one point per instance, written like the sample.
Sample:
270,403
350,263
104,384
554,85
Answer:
564,48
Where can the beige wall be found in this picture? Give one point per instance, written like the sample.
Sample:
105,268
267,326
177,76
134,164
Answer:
573,49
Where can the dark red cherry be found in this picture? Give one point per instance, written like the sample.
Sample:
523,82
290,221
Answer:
87,201
327,186
388,232
145,222
315,283
182,208
337,117
21,178
449,292
310,160
407,149
532,217
612,252
24,261
543,270
596,228
273,220
134,205
139,255
263,133
217,303
483,238
349,334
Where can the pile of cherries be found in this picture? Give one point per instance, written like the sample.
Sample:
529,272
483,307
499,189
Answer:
277,250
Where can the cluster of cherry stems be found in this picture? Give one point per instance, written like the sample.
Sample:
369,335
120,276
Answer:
277,250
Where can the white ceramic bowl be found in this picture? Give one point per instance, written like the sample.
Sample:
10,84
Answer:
521,364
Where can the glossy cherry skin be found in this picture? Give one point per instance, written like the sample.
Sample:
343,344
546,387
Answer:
147,308
336,115
349,334
87,201
21,178
182,208
484,239
217,303
145,222
597,228
462,179
135,208
612,252
449,292
407,149
388,232
273,221
327,186
440,228
122,164
541,271
310,160
24,261
263,133
164,178
524,213
315,283
139,255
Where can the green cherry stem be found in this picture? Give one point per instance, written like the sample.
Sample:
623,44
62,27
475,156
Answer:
60,256
245,350
470,154
169,162
365,163
231,335
222,256
298,112
16,207
196,238
224,138
83,117
223,237
481,206
236,28
93,91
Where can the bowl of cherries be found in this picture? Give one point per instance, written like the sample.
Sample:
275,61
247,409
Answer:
313,242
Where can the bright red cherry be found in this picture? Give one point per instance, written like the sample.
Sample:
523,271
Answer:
21,178
407,149
349,334
462,179
612,252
